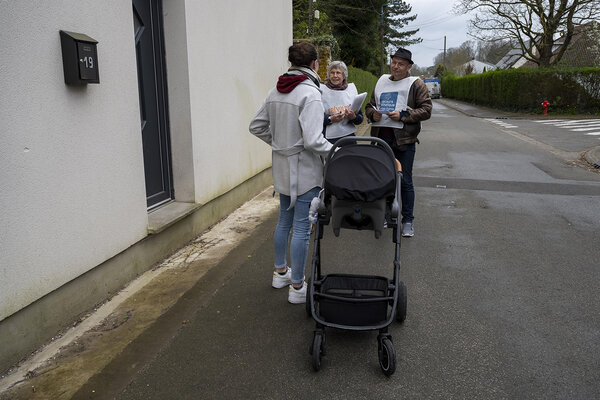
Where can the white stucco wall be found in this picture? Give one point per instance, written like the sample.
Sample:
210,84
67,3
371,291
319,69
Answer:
236,51
71,164
71,170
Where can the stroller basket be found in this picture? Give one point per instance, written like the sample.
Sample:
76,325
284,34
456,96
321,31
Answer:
354,299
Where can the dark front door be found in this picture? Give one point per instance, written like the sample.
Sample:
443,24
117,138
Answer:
147,20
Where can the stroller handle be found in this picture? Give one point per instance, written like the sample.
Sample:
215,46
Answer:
364,139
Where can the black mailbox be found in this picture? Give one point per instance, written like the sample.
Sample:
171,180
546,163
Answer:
80,58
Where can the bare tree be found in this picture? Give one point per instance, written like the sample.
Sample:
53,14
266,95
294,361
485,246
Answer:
534,24
456,56
492,51
469,69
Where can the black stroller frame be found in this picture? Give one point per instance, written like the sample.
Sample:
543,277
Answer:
358,302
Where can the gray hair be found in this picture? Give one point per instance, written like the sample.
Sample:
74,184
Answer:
338,65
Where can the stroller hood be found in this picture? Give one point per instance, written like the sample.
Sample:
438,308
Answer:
361,173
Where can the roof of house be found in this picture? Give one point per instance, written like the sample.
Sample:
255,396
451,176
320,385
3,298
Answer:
478,66
583,51
510,59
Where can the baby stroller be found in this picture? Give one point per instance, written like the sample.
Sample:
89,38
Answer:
361,191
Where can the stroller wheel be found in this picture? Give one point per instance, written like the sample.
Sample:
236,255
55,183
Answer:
317,349
402,298
387,356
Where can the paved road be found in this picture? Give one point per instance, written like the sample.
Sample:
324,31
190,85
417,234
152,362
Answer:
502,280
566,134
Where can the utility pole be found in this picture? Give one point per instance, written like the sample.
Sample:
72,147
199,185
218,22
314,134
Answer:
381,40
444,51
310,18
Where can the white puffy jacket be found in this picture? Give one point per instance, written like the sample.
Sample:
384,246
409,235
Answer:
292,123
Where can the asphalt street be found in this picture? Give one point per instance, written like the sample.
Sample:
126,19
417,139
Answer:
502,279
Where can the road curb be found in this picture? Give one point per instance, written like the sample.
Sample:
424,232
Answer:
593,157
454,106
476,111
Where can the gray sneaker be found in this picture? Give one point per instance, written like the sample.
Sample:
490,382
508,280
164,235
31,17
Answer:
408,230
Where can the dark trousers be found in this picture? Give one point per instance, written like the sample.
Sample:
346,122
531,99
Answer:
407,158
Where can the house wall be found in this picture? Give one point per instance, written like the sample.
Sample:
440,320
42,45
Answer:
71,162
231,67
70,157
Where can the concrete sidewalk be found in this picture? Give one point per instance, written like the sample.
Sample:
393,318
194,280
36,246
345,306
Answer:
60,368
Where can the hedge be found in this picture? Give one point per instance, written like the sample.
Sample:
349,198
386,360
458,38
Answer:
364,81
570,91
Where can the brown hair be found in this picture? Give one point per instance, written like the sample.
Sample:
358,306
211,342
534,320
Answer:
302,54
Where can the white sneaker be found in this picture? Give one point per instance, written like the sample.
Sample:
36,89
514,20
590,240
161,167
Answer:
281,281
297,296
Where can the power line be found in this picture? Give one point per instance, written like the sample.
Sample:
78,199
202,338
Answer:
434,22
432,40
430,48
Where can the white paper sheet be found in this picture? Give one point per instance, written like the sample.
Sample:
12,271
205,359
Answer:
358,101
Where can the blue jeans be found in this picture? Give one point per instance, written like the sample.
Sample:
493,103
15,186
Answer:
297,218
407,158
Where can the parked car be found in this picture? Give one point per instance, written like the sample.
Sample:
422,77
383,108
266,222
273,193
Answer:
434,86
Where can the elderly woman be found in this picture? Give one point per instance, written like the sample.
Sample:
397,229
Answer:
337,97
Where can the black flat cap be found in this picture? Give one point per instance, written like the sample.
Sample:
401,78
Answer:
403,53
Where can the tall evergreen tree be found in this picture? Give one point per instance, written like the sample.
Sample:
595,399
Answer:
356,24
396,16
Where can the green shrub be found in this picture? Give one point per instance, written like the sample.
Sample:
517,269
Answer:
569,91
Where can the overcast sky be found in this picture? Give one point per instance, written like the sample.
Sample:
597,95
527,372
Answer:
436,20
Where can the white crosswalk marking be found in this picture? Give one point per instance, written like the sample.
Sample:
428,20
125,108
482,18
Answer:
575,125
586,129
501,123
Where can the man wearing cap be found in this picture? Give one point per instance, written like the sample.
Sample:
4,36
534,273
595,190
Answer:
398,105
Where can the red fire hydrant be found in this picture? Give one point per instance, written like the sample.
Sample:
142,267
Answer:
545,106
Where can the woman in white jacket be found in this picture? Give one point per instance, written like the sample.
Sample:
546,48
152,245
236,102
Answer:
291,121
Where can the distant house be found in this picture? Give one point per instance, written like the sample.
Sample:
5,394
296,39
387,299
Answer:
513,59
475,67
583,51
